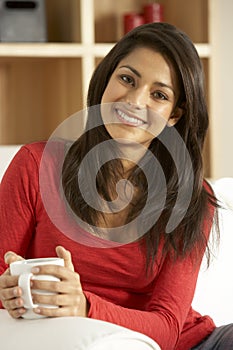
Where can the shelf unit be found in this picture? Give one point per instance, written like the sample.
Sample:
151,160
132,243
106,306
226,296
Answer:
41,84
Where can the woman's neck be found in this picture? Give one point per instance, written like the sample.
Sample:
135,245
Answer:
131,154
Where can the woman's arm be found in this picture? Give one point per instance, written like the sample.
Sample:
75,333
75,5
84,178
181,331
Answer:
165,314
18,220
18,197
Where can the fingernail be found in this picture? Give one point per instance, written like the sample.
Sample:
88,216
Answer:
35,270
15,291
7,256
19,302
37,310
21,311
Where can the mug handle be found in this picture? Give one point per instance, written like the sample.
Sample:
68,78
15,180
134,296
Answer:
24,283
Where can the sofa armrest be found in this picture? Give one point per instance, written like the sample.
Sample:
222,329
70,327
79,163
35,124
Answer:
69,333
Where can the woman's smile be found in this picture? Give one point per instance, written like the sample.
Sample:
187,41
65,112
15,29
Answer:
127,118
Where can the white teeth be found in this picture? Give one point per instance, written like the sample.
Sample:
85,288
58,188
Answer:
129,119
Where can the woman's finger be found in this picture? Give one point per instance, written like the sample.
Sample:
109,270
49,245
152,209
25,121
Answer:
78,306
10,293
60,272
13,304
65,254
10,257
58,312
56,287
17,313
8,281
57,299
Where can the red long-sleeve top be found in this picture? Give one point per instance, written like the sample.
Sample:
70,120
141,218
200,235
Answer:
113,278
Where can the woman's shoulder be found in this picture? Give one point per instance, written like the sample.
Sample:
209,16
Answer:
35,149
31,156
42,149
23,167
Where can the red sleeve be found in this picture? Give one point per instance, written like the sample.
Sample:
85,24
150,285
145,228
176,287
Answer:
18,197
165,315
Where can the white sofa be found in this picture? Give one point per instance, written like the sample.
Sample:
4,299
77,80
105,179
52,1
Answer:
214,289
6,155
213,294
69,333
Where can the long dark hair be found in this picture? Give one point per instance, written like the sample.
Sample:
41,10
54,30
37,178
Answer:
188,235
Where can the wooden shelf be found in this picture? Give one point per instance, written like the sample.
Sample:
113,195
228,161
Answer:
65,50
46,50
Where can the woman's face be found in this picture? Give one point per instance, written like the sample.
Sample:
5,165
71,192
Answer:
140,98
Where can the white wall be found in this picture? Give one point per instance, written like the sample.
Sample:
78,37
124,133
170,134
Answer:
221,87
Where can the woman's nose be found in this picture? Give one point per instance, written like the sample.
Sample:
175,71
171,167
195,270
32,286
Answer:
138,98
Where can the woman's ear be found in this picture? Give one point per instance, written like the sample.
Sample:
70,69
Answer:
175,116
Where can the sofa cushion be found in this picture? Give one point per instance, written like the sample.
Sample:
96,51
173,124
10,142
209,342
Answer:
214,290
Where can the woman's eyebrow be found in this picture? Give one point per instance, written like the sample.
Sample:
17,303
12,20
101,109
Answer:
165,86
132,69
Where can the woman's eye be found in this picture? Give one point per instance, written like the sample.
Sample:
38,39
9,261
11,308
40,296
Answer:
127,79
159,95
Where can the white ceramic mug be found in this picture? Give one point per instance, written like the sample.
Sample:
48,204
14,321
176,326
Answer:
22,268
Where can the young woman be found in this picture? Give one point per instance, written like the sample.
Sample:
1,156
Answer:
132,188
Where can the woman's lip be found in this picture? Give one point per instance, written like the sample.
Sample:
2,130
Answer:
129,119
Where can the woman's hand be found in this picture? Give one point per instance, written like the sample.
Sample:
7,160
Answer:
69,296
10,293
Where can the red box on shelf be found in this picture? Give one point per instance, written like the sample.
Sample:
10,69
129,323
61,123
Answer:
153,13
132,20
